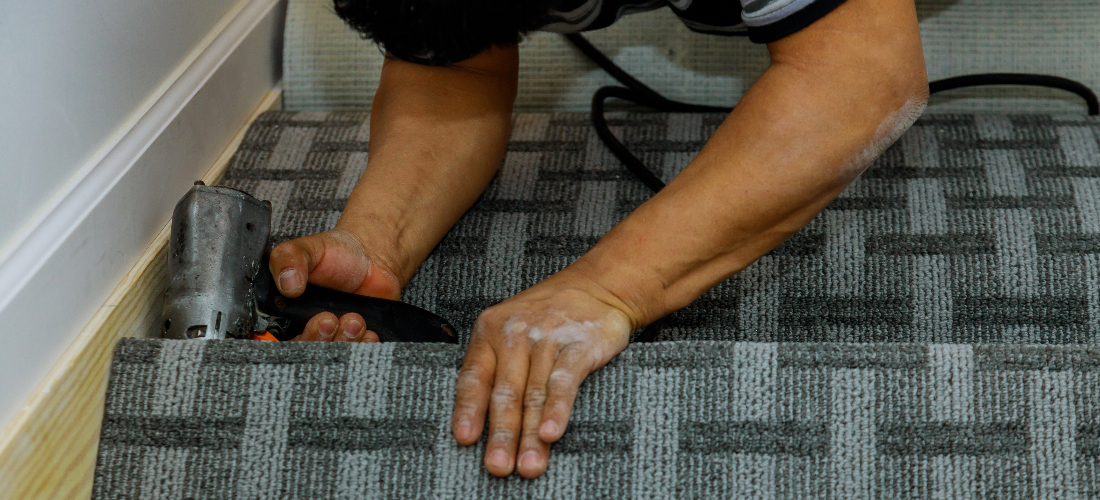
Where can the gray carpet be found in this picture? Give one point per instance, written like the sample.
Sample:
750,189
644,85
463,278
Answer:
973,228
234,419
931,335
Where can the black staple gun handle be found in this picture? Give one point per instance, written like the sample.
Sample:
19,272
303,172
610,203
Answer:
393,321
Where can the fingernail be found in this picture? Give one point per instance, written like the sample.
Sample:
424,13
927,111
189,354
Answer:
499,459
529,460
352,328
463,428
290,280
549,428
326,327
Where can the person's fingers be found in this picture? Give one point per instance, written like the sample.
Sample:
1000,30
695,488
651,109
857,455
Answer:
352,327
291,261
506,409
475,381
534,453
320,327
572,366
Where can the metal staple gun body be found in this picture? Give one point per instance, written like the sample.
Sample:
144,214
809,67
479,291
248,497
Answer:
221,288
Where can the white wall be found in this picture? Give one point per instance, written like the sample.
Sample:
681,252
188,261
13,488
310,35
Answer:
109,110
73,73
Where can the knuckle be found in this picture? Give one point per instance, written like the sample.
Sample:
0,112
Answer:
490,317
505,395
466,408
473,374
467,387
561,407
530,436
535,397
561,381
548,343
502,435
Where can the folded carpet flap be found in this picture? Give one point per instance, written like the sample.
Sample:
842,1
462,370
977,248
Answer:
245,419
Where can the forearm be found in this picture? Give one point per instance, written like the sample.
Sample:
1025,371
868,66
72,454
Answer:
438,134
802,133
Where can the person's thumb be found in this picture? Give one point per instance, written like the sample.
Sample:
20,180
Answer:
291,262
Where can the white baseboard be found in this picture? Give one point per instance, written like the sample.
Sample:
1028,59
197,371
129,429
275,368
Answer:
60,270
50,448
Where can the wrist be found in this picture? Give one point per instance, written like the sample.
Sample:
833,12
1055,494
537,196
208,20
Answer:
381,240
624,289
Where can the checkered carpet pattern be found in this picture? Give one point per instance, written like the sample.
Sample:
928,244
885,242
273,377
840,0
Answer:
932,334
972,228
238,419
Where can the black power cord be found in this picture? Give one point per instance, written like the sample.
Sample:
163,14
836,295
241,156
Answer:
985,79
639,93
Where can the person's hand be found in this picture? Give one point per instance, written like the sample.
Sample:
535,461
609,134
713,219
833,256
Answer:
527,357
339,260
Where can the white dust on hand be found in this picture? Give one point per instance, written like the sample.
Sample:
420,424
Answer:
563,332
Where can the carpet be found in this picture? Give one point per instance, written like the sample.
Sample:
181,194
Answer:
238,419
972,228
932,334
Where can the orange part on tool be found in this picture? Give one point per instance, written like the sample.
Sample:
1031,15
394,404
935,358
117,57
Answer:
264,336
